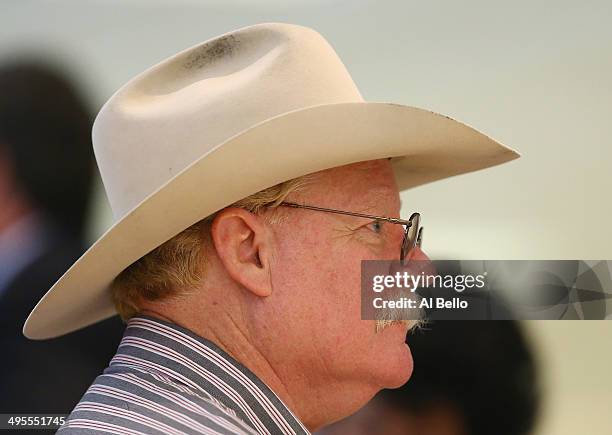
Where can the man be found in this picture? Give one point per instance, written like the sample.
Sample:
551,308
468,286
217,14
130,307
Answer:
248,179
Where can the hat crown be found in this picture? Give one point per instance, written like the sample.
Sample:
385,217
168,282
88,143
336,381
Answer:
184,107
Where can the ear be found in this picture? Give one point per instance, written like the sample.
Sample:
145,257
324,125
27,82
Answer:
241,240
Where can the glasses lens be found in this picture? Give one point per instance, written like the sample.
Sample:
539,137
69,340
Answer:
419,240
410,237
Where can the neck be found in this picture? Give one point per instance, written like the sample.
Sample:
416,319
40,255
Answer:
316,404
236,343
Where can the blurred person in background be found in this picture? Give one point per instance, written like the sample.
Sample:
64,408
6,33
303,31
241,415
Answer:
469,378
46,176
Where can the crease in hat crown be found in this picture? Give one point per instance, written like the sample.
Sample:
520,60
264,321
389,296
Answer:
210,92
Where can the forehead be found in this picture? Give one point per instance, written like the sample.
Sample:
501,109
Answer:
363,184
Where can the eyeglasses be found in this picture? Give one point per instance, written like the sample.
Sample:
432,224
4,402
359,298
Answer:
413,232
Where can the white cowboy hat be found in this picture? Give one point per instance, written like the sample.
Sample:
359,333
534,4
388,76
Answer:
224,119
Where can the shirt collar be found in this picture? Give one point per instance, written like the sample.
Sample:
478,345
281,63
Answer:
156,345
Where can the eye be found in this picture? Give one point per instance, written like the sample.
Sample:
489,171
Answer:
376,226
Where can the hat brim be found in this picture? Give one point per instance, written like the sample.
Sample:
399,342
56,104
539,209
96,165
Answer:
426,146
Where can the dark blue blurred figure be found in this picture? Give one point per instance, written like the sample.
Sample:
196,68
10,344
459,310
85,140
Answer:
46,176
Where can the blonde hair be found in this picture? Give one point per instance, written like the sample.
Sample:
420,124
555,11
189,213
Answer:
178,265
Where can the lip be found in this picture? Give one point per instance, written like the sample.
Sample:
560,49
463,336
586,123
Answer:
397,333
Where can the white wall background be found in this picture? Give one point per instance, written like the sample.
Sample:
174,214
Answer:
535,75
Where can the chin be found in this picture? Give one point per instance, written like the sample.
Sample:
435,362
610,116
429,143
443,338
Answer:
403,366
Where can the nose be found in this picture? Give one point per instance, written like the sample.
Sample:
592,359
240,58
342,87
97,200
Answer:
418,262
417,253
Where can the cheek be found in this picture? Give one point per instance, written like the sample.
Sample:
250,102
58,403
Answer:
297,256
316,306
320,279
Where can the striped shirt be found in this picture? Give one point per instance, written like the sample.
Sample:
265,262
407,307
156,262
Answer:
164,379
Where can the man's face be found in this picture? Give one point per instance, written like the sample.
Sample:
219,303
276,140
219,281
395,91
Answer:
314,309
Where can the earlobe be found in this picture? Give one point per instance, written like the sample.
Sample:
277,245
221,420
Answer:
241,241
